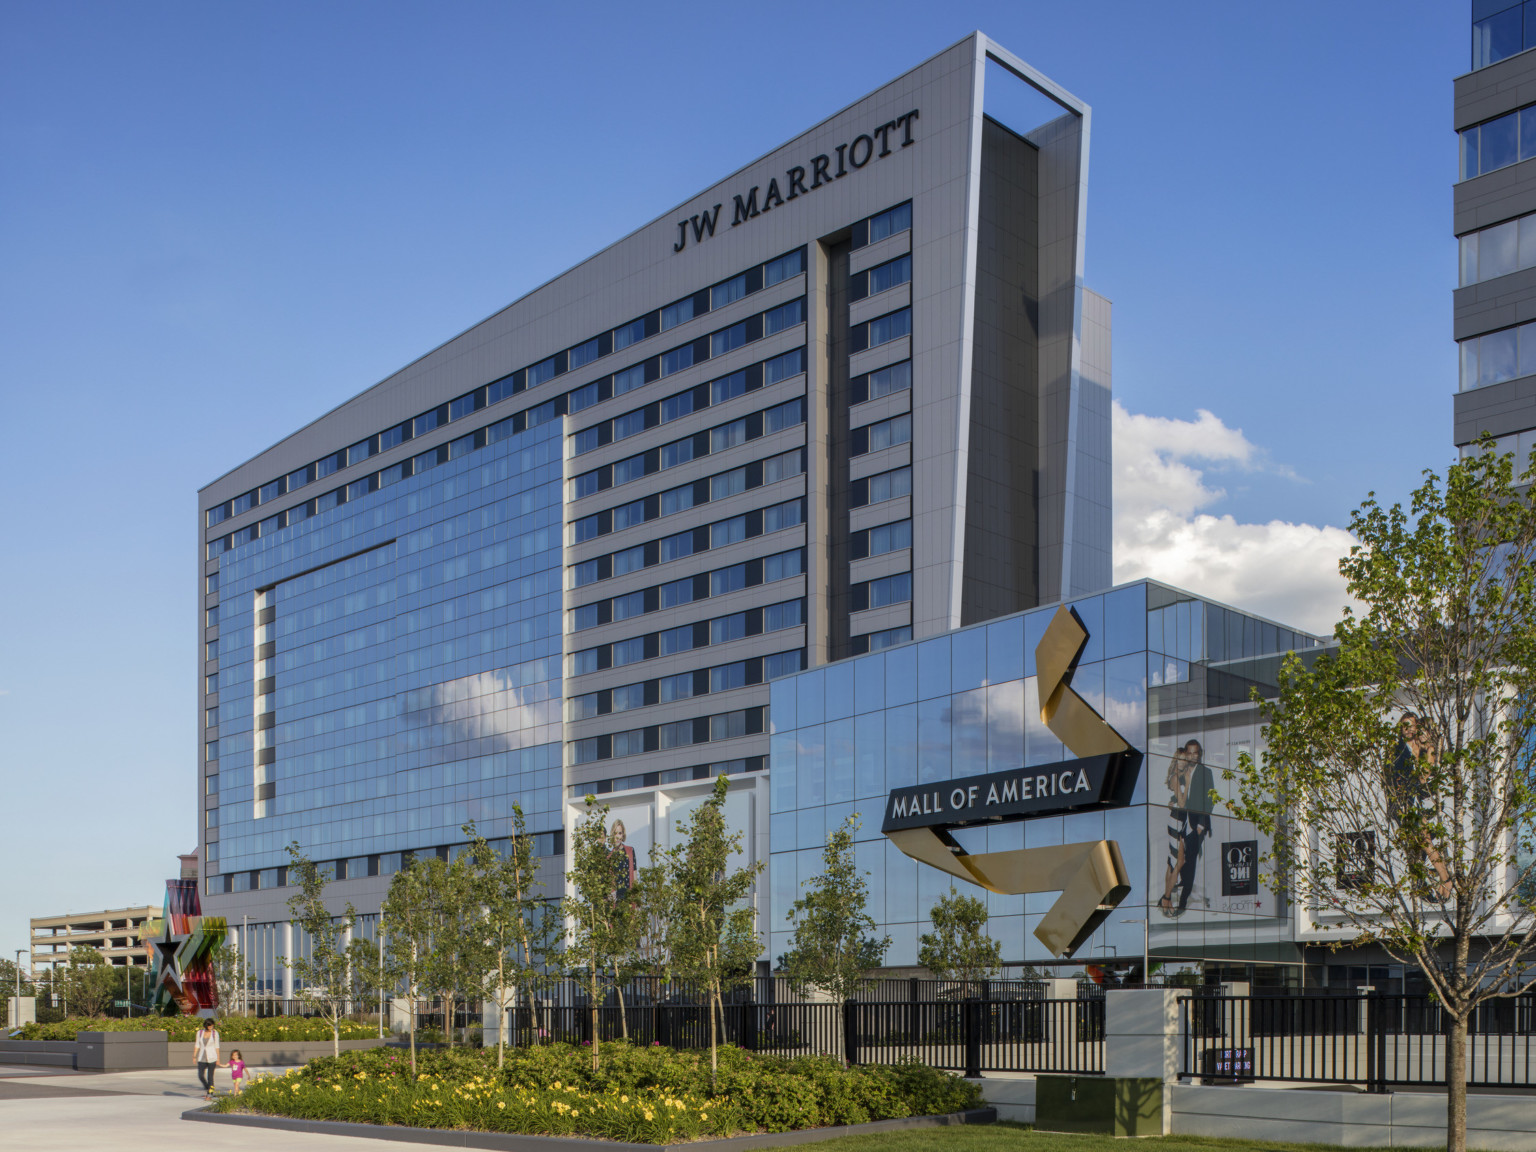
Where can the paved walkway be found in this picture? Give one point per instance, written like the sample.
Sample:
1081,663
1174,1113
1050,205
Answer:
47,1110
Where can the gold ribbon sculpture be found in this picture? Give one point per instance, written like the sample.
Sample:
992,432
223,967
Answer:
1090,876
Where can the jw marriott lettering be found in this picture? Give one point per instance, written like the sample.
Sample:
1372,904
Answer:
890,137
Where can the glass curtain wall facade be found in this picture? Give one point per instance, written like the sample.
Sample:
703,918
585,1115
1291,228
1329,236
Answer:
1165,668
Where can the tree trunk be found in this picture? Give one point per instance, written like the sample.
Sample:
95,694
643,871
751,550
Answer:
592,1006
412,990
619,991
501,1008
1456,1085
714,1062
336,1031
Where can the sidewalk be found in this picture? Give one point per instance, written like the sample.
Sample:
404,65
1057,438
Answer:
51,1111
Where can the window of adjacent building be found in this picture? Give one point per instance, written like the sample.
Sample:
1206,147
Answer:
888,223
883,277
1499,250
1498,143
389,438
420,426
783,268
584,573
584,354
729,292
243,503
1500,29
891,379
674,314
672,455
631,333
217,515
784,316
1498,356
678,734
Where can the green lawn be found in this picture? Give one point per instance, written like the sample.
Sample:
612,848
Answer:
1018,1138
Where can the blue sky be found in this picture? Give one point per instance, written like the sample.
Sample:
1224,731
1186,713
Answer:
218,221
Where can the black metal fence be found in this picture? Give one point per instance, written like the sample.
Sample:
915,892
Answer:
1371,1040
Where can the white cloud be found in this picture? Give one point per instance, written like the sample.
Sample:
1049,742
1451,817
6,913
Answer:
1288,572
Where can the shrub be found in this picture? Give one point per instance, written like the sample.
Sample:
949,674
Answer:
646,1095
182,1028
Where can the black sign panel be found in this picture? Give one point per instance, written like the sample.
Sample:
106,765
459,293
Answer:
1017,793
1228,1063
1240,868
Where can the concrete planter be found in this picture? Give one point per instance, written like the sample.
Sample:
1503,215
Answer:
93,1051
265,1053
510,1142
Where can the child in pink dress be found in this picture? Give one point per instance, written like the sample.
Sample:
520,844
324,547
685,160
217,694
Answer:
236,1068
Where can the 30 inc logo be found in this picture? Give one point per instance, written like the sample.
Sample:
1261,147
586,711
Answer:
1239,868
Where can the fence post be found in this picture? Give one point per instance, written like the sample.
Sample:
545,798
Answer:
850,1032
972,1018
1367,1033
747,1025
1379,1044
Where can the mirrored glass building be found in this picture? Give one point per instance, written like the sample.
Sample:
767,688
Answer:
1171,672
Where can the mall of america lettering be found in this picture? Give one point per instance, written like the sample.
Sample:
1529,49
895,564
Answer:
1010,791
853,155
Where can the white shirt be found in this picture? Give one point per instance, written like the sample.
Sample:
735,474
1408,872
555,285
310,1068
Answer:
206,1048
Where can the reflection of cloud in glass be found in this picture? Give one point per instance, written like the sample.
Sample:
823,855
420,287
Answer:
506,707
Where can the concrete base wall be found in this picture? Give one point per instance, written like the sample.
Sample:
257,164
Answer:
120,1051
1353,1119
1013,1097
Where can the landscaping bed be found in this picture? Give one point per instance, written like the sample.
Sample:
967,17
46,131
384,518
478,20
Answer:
181,1029
642,1095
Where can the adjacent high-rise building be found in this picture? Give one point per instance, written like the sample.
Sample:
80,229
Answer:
1495,222
855,394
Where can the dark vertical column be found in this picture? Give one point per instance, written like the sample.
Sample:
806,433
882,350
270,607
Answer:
838,486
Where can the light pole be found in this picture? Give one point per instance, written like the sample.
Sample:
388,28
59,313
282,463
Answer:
378,939
19,951
1146,947
245,971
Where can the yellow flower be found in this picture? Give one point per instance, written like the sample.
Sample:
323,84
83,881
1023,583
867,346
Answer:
623,1099
500,1104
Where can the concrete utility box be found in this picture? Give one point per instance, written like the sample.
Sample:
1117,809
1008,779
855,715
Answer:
1106,1106
20,1010
120,1051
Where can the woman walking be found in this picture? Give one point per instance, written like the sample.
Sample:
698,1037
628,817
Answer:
206,1051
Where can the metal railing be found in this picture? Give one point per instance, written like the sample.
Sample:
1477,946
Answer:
1372,1040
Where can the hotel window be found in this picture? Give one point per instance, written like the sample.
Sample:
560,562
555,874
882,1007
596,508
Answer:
783,268
783,565
877,641
729,726
389,438
670,688
582,707
676,407
676,500
1500,29
269,491
883,592
678,734
888,223
675,640
782,516
629,560
777,468
729,292
584,661
777,617
727,484
457,410
629,424
781,664
728,387
583,397
217,515
627,607
630,743
879,436
1498,356
674,314
725,532
728,435
630,651
725,341
628,515
242,503
542,371
724,629
672,455
884,486
628,698
584,354
726,580
628,469
784,316
585,751
584,617
785,366
631,333
886,381
885,538
884,329
628,380
677,547
587,440
675,593
784,416
587,528
728,676
676,360
884,277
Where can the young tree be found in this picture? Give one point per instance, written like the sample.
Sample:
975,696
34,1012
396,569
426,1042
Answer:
1397,784
89,983
461,954
714,939
410,914
510,894
654,909
324,978
595,876
832,948
959,948
229,971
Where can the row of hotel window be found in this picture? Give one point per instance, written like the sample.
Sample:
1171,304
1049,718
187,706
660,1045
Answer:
669,776
679,734
381,864
688,637
1498,356
1500,29
701,586
737,287
1498,143
720,438
1498,250
720,534
869,386
684,685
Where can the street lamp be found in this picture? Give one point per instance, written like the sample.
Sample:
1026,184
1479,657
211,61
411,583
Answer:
17,1009
1146,947
378,939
